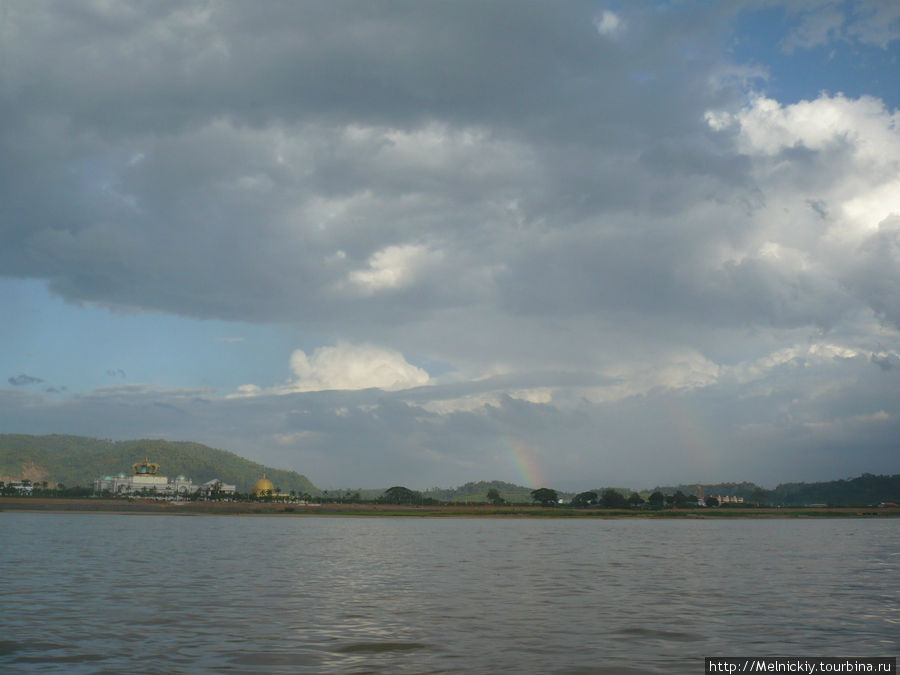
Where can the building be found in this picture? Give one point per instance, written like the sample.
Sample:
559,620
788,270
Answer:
146,479
20,487
215,487
727,499
263,488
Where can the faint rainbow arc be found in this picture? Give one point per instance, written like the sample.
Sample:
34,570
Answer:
524,459
694,434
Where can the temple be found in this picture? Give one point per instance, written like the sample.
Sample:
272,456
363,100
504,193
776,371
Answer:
263,488
146,479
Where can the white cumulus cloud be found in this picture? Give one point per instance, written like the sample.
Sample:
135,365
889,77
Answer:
348,366
345,366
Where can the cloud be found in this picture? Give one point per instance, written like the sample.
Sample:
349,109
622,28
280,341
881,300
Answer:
815,28
867,22
829,201
877,23
608,23
392,267
575,220
875,270
417,174
346,367
886,361
23,380
246,390
805,415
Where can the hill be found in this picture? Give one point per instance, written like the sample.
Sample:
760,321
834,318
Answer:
77,460
477,492
746,490
865,489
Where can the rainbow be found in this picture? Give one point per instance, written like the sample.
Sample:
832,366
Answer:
524,459
691,427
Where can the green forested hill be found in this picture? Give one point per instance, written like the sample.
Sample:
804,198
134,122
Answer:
77,460
477,492
746,490
865,489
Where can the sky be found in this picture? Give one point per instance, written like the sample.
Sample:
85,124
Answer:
563,244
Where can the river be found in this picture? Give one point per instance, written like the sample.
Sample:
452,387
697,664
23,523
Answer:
169,594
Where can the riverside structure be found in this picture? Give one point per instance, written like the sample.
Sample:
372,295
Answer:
146,479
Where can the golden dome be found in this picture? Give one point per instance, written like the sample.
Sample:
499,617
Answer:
263,487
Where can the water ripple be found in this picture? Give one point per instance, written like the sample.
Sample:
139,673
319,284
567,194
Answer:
114,593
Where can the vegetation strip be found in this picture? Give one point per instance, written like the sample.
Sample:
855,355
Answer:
140,506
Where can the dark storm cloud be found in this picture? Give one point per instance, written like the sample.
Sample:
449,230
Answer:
590,220
160,129
258,162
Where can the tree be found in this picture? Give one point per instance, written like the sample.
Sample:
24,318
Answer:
401,495
588,498
613,499
759,496
635,500
679,498
711,501
493,496
657,500
545,496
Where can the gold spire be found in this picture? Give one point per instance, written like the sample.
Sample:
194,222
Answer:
263,487
145,467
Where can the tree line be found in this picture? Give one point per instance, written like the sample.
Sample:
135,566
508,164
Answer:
611,498
43,488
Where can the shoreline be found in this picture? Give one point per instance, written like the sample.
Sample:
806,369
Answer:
151,507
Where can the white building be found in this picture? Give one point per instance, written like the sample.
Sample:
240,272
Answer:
727,499
147,480
215,486
20,487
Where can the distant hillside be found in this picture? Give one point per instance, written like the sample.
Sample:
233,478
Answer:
477,492
746,490
866,489
77,460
